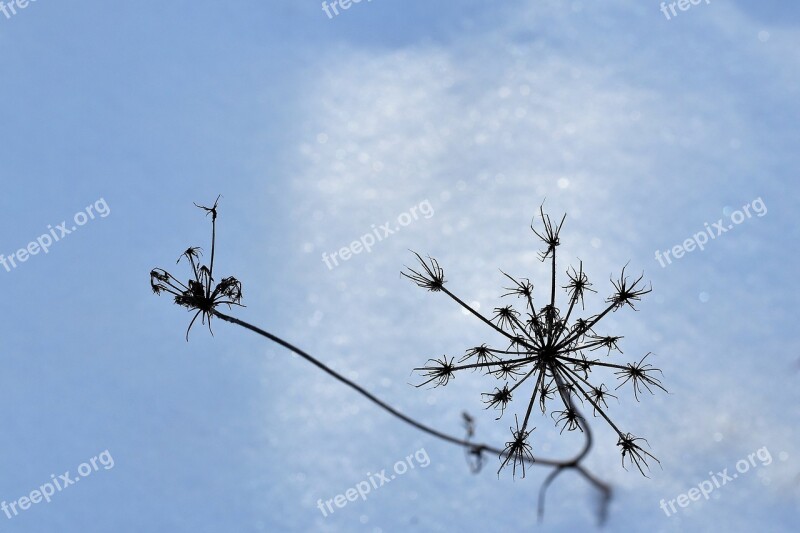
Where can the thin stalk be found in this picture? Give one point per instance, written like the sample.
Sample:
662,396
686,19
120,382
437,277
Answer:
463,304
572,463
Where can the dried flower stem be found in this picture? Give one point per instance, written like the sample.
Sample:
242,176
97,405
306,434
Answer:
475,448
202,295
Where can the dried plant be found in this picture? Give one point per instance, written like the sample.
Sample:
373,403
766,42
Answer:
544,349
203,296
199,294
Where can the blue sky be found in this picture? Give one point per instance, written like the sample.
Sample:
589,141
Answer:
641,129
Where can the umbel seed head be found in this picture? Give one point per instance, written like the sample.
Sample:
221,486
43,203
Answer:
547,358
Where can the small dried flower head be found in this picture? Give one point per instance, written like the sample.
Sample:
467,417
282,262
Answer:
582,364
609,342
640,375
200,293
431,276
192,254
230,287
522,288
578,284
482,355
506,370
210,210
505,317
158,277
440,371
598,397
536,326
517,450
549,236
582,326
546,393
635,453
550,314
627,292
570,419
498,399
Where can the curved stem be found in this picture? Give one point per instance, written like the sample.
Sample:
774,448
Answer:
573,463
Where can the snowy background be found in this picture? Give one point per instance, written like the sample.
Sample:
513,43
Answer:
640,128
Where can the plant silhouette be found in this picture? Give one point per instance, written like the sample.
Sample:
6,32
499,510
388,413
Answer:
544,347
